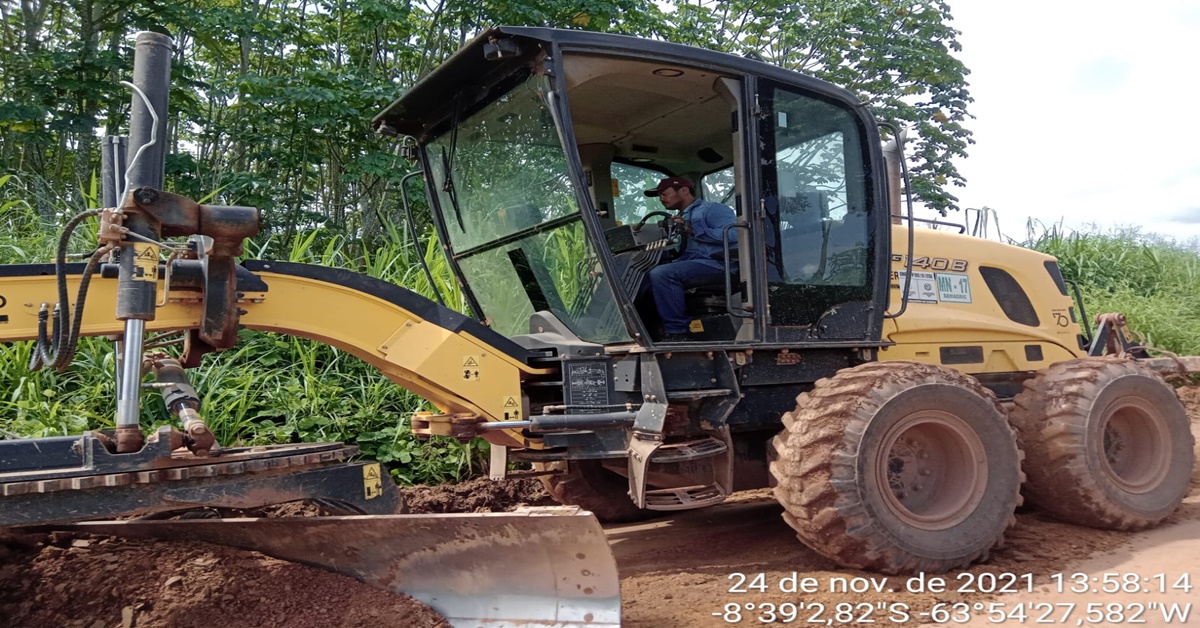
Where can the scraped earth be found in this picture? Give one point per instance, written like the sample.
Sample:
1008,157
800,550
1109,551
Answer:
478,495
678,570
80,581
87,581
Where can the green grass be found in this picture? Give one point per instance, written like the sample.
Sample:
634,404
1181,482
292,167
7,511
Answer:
270,388
1153,280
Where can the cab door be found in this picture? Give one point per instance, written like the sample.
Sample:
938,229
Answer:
818,221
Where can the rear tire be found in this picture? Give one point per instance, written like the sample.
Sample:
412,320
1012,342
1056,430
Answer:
1109,444
898,467
587,484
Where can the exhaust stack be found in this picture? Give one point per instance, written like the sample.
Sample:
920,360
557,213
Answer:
891,158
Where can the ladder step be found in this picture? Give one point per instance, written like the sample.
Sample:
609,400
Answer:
690,450
684,497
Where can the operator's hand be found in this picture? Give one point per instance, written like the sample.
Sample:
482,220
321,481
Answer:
684,225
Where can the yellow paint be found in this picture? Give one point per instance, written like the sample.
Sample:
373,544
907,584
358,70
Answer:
429,360
696,326
998,357
925,328
372,481
25,294
145,261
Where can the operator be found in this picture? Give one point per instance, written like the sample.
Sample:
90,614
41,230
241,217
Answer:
703,223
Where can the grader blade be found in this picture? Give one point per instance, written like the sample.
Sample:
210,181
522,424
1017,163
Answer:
547,566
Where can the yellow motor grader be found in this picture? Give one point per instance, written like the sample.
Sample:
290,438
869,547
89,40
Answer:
901,388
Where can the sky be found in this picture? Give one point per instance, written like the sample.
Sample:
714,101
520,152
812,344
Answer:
1087,113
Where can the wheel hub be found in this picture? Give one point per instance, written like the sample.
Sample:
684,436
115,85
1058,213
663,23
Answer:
1133,442
932,470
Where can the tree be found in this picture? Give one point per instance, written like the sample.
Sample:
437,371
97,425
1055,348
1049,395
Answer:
271,100
896,54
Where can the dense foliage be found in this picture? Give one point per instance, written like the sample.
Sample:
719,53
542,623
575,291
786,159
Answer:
271,388
270,101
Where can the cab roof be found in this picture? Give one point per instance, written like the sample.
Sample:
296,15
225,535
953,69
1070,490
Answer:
428,102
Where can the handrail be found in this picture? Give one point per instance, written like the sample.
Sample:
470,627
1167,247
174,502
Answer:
961,228
739,312
1087,328
412,230
908,259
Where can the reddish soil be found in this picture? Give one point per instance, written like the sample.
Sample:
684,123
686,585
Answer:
75,581
478,495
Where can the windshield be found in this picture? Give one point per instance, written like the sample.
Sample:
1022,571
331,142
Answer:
504,190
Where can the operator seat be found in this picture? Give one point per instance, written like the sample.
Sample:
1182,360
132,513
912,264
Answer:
705,294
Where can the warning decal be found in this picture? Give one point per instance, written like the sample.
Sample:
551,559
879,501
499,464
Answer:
470,368
512,408
145,262
372,481
936,287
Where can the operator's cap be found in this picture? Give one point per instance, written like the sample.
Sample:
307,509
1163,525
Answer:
670,182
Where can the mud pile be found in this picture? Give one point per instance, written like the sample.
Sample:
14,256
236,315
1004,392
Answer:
478,495
81,581
77,581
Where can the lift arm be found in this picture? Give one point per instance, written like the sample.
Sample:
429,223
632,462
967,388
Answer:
471,373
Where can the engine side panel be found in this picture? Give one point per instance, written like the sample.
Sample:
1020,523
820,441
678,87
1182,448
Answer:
978,306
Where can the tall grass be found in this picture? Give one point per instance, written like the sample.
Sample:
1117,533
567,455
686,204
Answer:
1153,280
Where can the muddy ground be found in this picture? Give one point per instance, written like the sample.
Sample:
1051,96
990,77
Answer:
676,571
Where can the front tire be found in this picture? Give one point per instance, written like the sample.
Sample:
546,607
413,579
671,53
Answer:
898,467
1109,444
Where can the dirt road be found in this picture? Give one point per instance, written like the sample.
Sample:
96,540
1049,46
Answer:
684,569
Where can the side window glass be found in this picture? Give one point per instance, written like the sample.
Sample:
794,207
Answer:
817,228
718,186
821,219
629,183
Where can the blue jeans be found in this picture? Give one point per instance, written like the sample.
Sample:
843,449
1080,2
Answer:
666,282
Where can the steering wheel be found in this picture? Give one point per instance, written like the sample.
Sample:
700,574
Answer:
658,212
672,231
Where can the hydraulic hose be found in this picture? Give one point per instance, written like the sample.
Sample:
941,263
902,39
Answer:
57,348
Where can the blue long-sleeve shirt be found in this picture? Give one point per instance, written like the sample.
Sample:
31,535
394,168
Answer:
708,220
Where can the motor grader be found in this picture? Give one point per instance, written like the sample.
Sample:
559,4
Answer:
901,388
